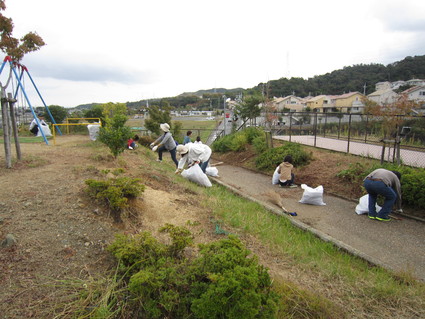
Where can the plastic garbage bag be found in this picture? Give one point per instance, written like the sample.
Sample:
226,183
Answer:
212,171
46,130
196,175
275,178
93,131
312,196
363,205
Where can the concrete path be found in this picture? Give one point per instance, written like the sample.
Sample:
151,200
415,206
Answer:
398,245
409,157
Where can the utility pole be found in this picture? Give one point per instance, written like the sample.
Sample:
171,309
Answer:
364,89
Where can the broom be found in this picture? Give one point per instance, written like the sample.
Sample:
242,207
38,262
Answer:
277,200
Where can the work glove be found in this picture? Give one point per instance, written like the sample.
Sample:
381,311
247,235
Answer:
178,171
154,148
152,145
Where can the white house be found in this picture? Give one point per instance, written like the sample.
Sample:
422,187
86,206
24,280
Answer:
383,96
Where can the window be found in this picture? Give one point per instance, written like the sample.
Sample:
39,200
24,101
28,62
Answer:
422,93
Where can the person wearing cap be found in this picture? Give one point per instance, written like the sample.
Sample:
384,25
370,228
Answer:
165,143
192,154
386,183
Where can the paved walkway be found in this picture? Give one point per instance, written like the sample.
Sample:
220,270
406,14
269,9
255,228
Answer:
412,158
398,245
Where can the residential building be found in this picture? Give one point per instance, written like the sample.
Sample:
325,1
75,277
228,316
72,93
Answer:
416,93
291,102
383,96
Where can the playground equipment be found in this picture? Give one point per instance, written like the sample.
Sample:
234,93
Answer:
17,72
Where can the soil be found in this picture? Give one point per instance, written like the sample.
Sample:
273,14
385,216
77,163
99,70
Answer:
61,234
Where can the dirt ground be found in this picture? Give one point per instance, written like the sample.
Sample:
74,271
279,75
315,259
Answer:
60,233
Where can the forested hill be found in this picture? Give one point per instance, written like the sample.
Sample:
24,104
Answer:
348,79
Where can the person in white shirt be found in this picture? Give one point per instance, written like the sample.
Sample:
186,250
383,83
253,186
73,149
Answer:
192,154
34,126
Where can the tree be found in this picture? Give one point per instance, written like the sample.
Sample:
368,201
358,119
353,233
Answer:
59,113
391,115
156,117
115,133
16,48
249,108
95,112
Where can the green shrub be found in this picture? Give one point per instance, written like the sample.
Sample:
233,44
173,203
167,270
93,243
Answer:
223,282
354,173
115,192
115,134
253,132
412,183
237,141
271,158
259,144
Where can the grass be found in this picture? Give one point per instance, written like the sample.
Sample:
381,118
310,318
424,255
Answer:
355,284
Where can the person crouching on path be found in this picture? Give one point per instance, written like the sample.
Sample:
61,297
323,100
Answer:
192,154
286,177
165,143
386,183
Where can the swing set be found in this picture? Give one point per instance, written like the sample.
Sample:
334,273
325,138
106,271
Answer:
17,72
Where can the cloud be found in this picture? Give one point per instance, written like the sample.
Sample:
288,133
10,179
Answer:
60,69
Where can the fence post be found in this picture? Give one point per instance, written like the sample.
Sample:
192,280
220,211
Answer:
315,128
349,133
367,125
290,127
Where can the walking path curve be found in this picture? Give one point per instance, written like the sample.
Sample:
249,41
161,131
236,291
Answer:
398,245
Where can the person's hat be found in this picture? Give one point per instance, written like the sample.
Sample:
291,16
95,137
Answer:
182,149
165,127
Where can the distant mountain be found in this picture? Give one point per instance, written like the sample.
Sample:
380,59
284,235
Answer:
213,91
361,78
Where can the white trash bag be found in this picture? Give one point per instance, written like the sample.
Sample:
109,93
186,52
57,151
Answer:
363,205
212,171
275,178
93,131
312,196
196,175
46,130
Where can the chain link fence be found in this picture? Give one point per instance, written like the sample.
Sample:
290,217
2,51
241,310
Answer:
397,139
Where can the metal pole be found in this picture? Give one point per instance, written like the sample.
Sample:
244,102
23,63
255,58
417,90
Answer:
44,103
349,133
315,128
29,103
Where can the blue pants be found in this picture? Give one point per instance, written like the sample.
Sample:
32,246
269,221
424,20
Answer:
375,188
204,165
172,153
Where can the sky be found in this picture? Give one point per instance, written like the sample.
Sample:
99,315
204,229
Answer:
100,51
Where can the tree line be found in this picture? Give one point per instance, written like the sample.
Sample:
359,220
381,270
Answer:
361,78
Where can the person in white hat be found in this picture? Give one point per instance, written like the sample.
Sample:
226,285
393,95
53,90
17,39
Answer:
165,143
192,154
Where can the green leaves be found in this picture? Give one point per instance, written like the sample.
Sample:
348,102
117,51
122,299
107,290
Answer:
222,282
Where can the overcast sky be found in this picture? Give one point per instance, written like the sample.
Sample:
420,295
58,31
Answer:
128,50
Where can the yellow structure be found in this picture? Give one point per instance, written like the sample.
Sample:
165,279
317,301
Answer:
316,103
345,102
